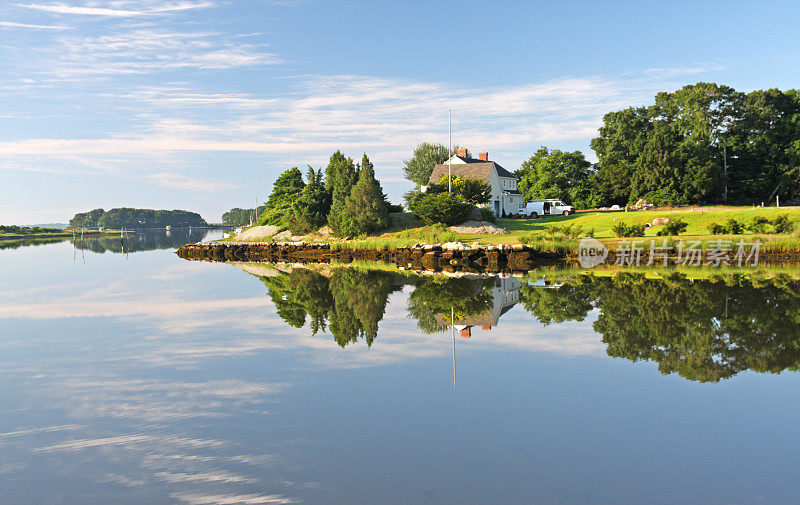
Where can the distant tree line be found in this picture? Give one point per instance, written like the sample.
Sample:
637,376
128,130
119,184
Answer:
136,219
242,217
345,196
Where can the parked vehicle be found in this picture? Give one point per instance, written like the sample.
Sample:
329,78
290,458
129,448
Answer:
547,207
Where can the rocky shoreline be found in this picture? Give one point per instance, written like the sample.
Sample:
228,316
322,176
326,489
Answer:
450,257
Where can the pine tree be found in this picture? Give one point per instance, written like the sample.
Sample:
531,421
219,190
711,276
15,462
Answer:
366,207
340,177
310,209
287,187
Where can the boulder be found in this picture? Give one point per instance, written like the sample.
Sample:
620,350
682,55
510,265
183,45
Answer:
257,232
282,235
660,221
478,228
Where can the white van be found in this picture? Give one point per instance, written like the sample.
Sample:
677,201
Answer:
548,207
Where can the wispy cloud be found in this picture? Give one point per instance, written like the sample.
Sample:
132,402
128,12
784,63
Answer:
11,24
151,50
87,10
185,182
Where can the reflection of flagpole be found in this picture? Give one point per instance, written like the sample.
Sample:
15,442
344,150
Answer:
453,328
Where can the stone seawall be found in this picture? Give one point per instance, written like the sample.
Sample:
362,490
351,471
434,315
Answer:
436,257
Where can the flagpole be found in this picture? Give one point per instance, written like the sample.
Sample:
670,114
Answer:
450,151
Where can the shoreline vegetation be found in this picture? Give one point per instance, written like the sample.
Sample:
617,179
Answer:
561,234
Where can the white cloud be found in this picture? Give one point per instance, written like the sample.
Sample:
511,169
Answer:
185,182
11,24
161,8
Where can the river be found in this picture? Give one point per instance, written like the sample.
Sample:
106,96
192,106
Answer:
136,377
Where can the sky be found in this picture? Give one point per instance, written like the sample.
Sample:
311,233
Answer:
200,104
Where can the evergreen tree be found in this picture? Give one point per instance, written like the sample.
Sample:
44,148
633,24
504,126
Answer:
310,209
366,208
286,189
340,177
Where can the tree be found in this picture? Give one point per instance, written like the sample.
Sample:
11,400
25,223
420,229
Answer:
241,217
366,208
340,177
285,190
310,209
474,191
89,219
555,174
419,167
445,208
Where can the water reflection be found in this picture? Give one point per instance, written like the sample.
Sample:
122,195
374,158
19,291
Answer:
124,243
703,330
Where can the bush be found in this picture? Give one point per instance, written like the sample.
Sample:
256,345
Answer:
783,224
673,227
445,208
621,229
487,215
716,229
758,224
731,227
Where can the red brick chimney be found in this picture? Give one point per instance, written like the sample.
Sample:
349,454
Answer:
466,333
484,156
462,152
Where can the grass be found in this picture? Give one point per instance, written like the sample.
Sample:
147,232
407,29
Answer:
406,230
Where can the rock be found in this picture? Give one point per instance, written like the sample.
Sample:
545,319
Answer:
475,214
282,235
478,228
660,221
451,246
325,231
256,232
615,207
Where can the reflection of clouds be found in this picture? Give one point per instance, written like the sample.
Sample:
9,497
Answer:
156,401
131,441
227,499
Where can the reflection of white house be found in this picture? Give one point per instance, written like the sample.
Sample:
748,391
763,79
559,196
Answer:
506,198
505,294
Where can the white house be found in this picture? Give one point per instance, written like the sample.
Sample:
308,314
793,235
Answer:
506,198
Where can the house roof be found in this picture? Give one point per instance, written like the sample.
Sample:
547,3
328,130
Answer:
471,168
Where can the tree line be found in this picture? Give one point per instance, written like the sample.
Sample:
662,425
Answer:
704,143
242,217
136,219
345,196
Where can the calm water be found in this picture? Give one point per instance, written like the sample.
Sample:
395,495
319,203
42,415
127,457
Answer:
141,378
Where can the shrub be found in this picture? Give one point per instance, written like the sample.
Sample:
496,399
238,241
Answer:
716,229
731,227
734,227
758,224
783,224
445,208
621,229
487,215
673,227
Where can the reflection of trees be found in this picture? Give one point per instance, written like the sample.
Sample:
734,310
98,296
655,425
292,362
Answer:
703,330
142,241
350,303
437,295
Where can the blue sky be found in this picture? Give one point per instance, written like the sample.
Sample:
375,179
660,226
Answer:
199,104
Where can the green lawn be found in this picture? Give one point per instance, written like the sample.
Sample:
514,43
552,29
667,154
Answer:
406,230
